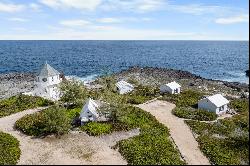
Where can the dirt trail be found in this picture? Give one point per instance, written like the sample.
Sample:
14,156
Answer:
73,148
179,131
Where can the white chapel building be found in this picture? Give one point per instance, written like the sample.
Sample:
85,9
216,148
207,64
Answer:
47,82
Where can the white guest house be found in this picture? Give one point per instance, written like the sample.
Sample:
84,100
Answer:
47,82
89,111
216,103
172,88
124,87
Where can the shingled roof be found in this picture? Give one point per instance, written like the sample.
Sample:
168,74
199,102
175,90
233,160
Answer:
48,71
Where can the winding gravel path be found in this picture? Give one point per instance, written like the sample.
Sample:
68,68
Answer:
179,131
71,149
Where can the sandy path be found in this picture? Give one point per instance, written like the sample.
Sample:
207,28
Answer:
73,148
179,131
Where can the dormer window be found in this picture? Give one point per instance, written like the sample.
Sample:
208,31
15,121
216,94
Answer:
44,79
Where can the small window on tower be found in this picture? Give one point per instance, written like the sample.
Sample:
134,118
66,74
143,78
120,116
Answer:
44,79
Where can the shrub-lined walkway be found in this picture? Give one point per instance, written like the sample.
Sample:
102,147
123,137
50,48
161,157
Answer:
179,131
70,149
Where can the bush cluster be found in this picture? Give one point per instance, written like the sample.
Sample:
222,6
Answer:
53,120
195,114
152,146
9,149
240,105
96,129
21,102
230,146
184,99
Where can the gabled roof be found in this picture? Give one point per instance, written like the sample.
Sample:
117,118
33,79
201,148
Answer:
48,71
173,85
92,106
218,100
121,84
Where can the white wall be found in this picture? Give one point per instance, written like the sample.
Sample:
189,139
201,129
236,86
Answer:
207,105
125,89
164,89
48,89
86,113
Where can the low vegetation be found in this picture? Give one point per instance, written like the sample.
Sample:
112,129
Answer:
96,129
21,102
53,120
240,105
184,99
9,149
195,114
225,142
152,146
73,93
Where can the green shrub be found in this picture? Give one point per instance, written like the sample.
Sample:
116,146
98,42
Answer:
96,129
148,149
232,145
152,146
9,149
50,121
240,105
198,127
73,92
72,113
148,91
21,102
132,99
223,151
195,114
184,99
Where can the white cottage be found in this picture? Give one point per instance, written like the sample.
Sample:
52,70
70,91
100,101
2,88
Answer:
89,111
172,87
47,82
216,103
124,87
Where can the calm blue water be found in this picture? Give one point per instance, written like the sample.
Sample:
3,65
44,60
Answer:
224,60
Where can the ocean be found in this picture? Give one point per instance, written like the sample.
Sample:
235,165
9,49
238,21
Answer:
222,60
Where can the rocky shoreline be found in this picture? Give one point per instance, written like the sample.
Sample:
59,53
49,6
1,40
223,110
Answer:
15,83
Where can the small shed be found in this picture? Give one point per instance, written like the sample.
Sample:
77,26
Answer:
124,87
216,103
89,111
172,87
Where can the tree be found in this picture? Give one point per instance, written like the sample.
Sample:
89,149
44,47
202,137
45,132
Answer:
73,92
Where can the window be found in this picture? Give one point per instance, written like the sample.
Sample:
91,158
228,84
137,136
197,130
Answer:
44,79
221,108
52,79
